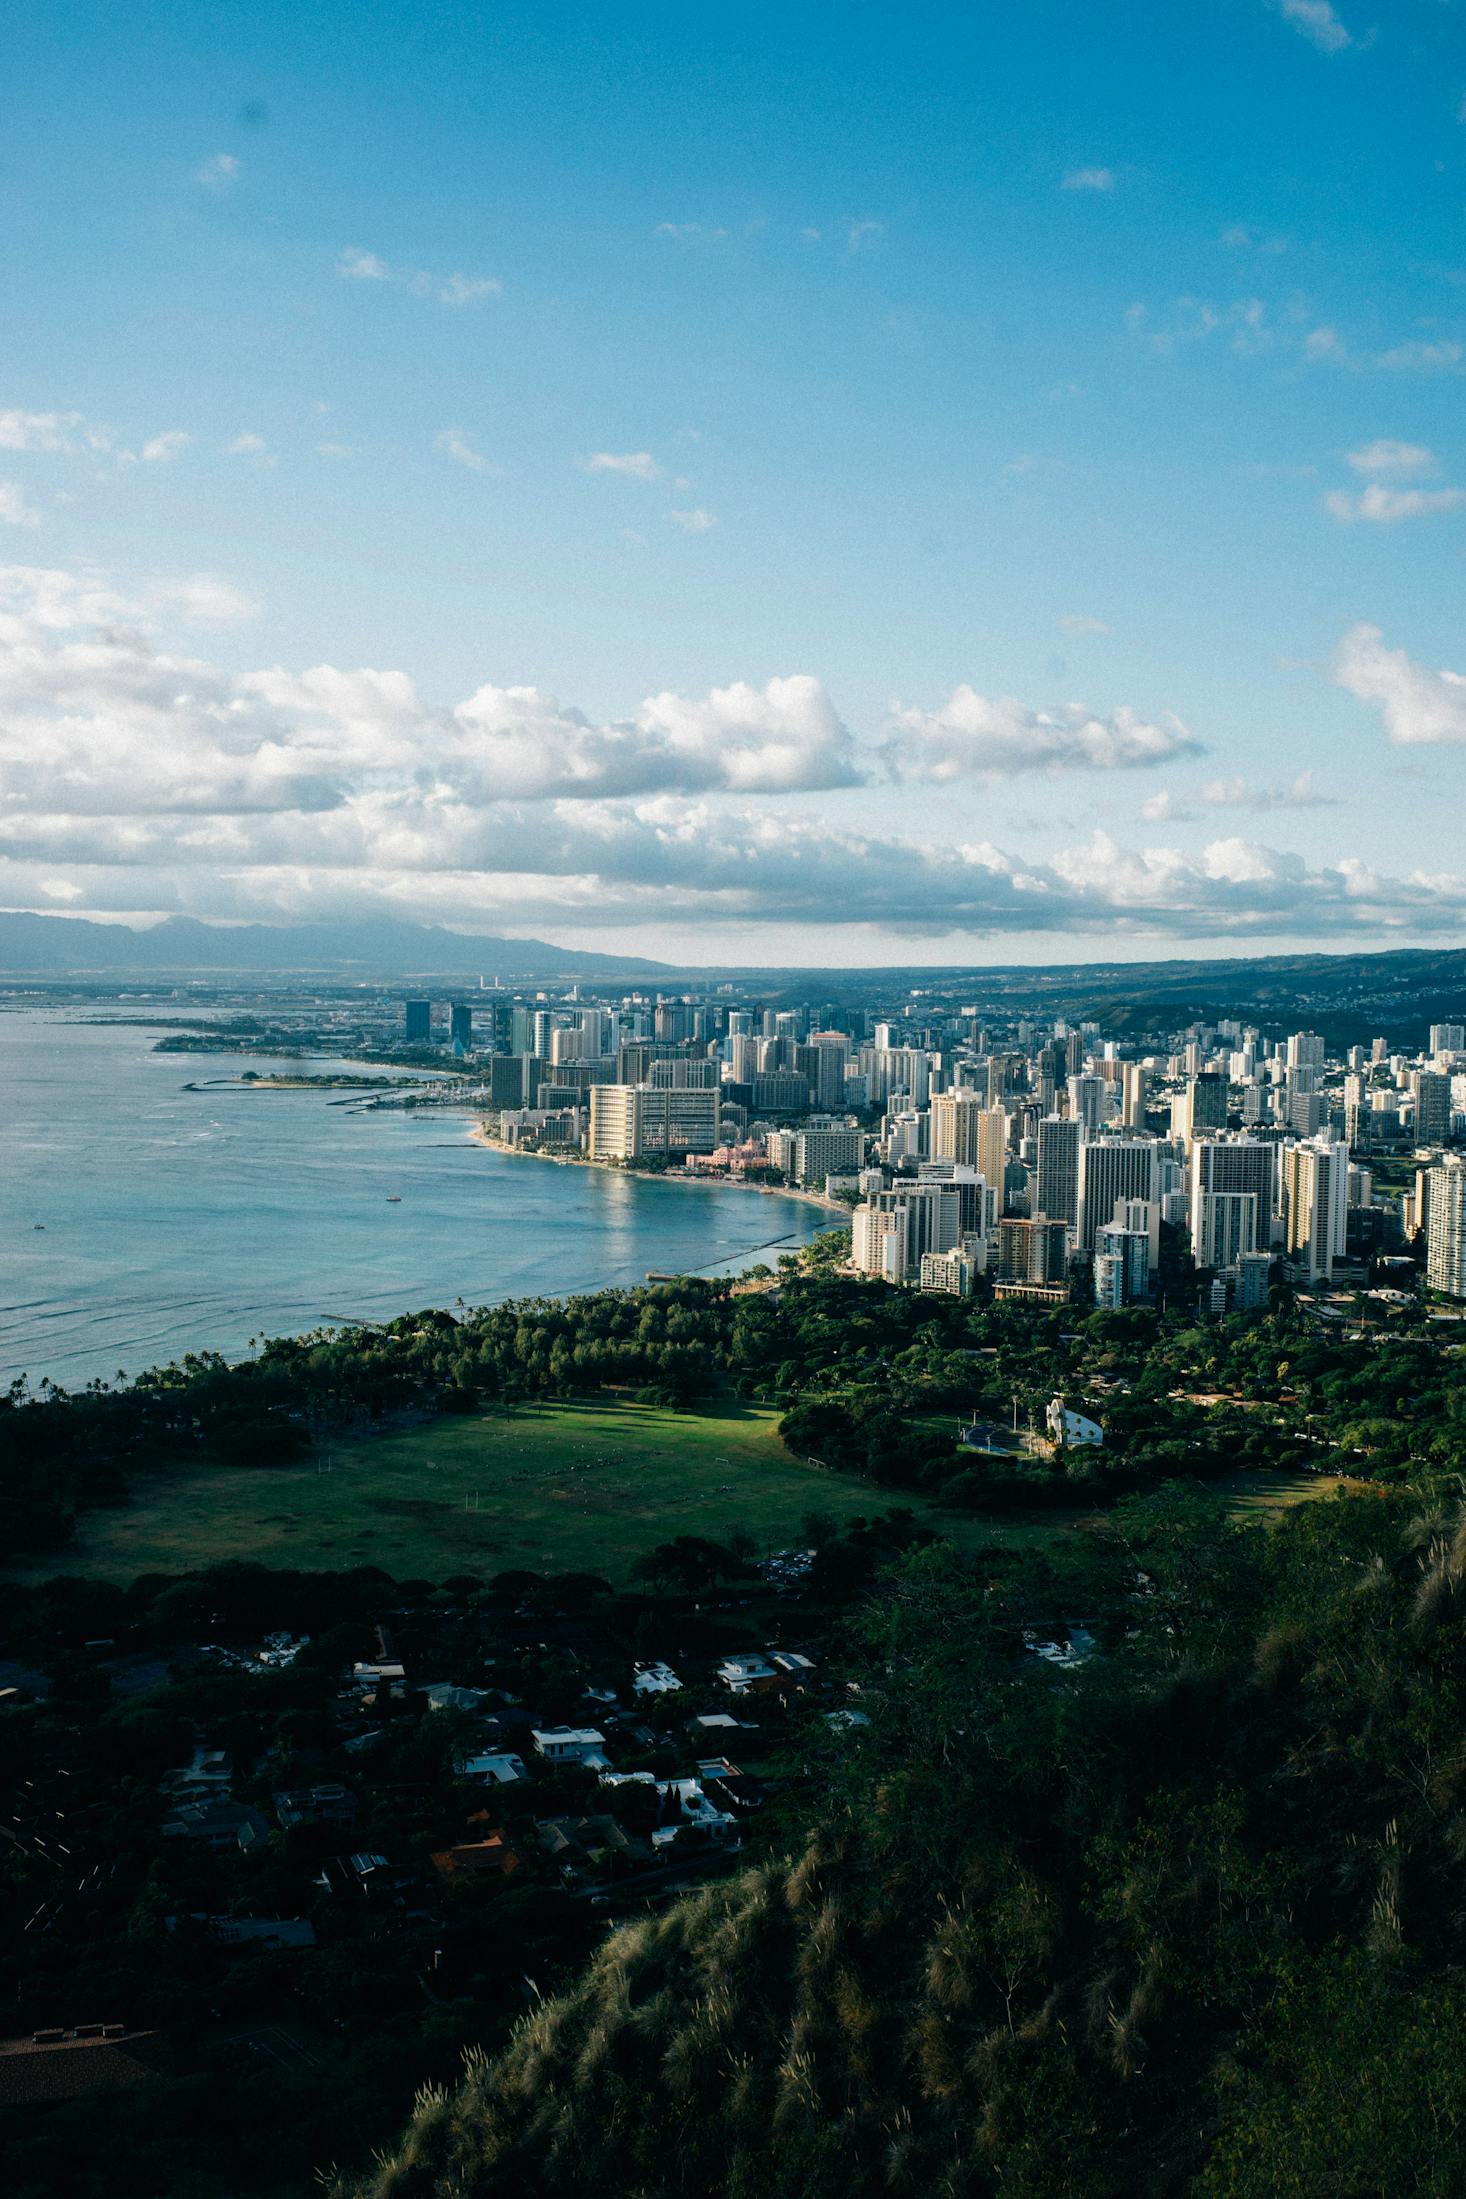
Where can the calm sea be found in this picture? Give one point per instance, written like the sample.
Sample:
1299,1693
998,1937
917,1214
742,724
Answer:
175,1221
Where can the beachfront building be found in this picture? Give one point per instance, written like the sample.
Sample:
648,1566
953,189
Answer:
635,1122
825,1148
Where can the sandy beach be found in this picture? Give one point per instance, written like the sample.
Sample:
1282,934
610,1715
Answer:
481,1136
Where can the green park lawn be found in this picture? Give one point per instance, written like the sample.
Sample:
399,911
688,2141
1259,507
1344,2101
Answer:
554,1488
546,1488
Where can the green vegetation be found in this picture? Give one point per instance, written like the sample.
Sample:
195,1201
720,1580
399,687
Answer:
550,1488
1173,1910
868,1381
1185,1920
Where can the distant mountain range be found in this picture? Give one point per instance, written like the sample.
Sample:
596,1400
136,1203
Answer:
63,946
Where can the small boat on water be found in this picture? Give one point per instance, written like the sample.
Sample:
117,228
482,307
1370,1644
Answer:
394,1198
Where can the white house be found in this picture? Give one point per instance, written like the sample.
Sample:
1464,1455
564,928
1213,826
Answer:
1073,1431
739,1674
443,1695
763,1669
572,1745
655,1679
497,1768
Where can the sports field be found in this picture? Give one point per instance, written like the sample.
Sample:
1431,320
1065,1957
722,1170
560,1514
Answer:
558,1488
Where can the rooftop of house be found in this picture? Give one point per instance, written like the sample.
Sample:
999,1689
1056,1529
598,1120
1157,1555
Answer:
474,1858
61,2064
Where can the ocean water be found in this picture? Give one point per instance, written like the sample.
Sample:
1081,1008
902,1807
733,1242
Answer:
174,1221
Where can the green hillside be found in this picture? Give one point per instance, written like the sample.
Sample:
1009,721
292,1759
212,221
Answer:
1187,1920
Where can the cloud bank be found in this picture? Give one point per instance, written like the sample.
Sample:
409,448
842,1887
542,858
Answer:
140,777
970,736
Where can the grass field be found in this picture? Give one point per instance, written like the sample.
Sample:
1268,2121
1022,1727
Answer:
553,1488
1263,1492
558,1488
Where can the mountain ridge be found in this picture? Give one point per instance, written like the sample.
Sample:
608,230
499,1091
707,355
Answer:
33,944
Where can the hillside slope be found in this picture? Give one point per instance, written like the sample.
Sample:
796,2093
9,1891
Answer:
1190,1920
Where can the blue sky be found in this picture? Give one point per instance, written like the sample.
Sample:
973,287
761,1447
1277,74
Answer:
776,484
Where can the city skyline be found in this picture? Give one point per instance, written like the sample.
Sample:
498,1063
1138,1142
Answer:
741,491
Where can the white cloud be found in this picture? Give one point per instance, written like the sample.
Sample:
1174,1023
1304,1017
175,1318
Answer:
218,173
696,521
1323,343
1243,322
202,599
454,444
469,289
1422,358
359,266
246,446
970,736
14,510
1317,22
1418,705
1089,179
859,234
45,431
1239,238
688,229
1078,622
360,737
678,863
638,465
1386,455
133,778
161,450
1235,793
1384,506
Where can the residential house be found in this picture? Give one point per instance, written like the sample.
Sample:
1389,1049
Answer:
562,1745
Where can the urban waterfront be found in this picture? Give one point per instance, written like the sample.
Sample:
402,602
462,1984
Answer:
140,1220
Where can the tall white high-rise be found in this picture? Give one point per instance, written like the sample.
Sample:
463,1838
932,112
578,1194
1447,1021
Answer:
1087,1098
1134,1094
1121,1266
1445,1227
1315,1204
956,1126
1224,1170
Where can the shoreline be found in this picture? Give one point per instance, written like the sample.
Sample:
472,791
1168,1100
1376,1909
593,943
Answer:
480,1136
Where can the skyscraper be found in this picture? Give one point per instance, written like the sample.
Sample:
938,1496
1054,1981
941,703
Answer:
992,1152
1432,1107
1224,1170
460,1027
1206,1104
1087,1097
1121,1266
1056,1193
417,1022
1111,1169
1315,1204
1033,1252
956,1127
1134,1094
1445,1228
